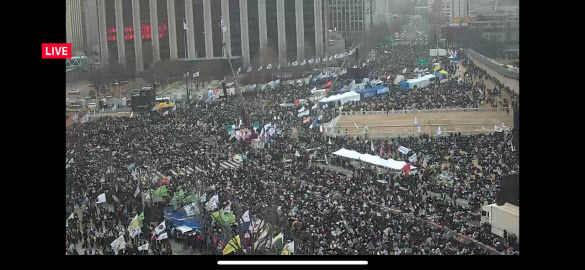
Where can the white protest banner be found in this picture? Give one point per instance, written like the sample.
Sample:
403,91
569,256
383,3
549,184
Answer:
143,247
306,112
191,209
212,204
101,198
403,150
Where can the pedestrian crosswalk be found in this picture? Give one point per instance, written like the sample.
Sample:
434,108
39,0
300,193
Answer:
188,170
230,164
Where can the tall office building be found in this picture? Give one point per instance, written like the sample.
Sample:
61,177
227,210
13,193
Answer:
348,16
139,33
450,9
74,24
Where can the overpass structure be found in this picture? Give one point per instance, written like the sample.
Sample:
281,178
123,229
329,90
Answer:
509,78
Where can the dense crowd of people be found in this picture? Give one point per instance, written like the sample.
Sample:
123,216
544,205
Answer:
363,210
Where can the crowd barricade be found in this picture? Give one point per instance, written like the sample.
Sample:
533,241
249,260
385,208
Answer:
497,68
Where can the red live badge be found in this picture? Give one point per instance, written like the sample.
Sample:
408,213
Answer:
56,51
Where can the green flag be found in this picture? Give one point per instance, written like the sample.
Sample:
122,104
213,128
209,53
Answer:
229,128
141,219
189,199
223,217
277,241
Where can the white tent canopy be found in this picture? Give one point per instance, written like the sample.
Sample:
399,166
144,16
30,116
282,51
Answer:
344,98
421,82
376,160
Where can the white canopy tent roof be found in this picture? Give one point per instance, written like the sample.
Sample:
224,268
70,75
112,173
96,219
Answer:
421,82
344,98
376,160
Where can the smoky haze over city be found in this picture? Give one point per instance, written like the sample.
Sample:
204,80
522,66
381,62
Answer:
297,127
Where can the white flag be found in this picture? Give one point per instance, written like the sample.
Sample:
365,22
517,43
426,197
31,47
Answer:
249,69
239,70
160,228
143,247
137,191
131,114
196,74
372,146
325,59
223,26
290,246
228,208
85,118
418,127
162,236
356,126
439,131
185,25
212,203
246,216
403,150
101,198
304,62
311,61
186,74
278,66
119,243
482,127
260,68
191,209
318,60
415,121
329,141
413,158
71,216
330,58
269,66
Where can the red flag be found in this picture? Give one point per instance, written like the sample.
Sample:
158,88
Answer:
165,181
381,151
329,84
406,169
297,102
389,152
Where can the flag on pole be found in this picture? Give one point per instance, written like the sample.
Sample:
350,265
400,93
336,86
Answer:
289,248
162,236
372,146
196,74
246,216
101,198
277,241
311,61
239,70
406,169
389,152
160,228
439,131
232,245
415,121
483,128
134,227
249,69
185,25
137,191
418,127
118,244
165,181
356,126
186,74
260,68
304,62
223,26
318,60
381,151
278,66
269,66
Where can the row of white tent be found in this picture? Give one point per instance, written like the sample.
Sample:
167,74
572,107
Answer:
376,160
